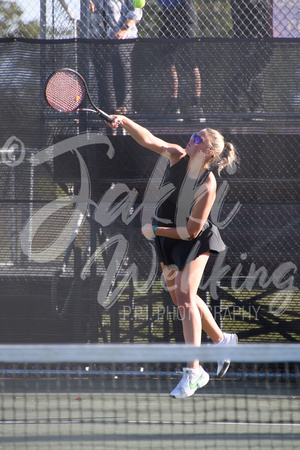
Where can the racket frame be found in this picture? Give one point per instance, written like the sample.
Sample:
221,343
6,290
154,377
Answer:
96,110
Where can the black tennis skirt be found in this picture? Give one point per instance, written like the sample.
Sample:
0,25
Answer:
177,252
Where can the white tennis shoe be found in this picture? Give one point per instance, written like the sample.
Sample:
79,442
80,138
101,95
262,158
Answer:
190,382
223,366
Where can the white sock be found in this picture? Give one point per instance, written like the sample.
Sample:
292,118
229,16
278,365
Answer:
224,339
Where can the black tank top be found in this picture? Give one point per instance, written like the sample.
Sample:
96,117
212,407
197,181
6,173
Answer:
176,208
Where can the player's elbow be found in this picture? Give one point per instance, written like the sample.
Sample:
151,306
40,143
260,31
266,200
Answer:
193,230
193,233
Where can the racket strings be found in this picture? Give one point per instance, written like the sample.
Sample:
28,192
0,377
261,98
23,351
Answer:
65,91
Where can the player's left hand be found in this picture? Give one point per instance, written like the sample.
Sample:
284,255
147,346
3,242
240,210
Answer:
147,231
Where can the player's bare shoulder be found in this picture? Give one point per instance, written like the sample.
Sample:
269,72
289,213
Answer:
208,188
176,153
211,183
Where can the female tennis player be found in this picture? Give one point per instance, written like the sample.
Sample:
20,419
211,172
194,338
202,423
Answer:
185,237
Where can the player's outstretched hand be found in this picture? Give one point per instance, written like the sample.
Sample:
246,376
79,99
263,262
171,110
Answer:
115,123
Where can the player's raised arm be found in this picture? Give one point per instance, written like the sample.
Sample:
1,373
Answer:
146,139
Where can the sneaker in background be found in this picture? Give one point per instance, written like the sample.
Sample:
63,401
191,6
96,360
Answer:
223,366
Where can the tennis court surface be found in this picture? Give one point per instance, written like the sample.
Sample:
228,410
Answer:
92,400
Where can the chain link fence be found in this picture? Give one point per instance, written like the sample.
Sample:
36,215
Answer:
60,19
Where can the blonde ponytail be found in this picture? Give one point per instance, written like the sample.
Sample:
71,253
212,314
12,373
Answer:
227,157
224,152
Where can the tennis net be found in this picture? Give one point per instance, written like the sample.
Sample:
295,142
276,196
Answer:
117,396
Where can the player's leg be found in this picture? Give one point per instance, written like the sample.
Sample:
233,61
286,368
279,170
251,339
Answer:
183,287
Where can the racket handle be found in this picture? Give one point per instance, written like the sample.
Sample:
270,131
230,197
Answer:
104,116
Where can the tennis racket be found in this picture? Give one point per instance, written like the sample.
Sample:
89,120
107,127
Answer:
66,90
